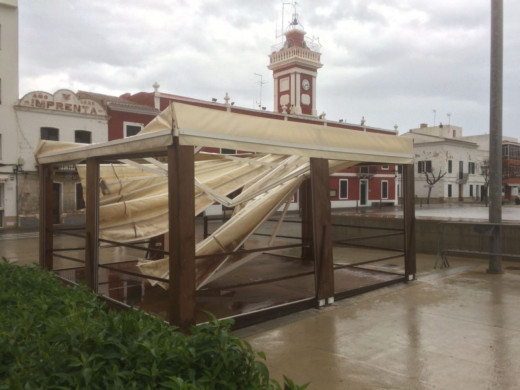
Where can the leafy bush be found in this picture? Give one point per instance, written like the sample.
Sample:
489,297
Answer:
56,337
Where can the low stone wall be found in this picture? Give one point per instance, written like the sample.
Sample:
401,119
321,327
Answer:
427,231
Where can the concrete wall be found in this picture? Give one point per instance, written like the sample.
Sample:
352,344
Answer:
427,233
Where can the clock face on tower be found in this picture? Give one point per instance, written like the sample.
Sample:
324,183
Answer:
306,85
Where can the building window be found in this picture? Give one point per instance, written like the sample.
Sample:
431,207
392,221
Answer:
227,151
49,133
471,190
363,170
450,193
385,167
131,128
471,167
424,166
461,169
83,137
343,188
450,166
384,189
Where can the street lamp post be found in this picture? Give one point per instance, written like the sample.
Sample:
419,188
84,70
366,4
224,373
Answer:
495,136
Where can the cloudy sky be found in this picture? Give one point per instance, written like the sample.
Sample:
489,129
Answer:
398,62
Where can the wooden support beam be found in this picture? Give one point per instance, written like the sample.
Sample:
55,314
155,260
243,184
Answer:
322,230
409,221
92,225
46,218
306,216
181,203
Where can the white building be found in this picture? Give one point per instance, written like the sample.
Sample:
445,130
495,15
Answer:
443,149
61,116
8,97
510,164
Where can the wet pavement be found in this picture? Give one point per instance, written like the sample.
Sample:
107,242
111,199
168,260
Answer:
456,328
444,212
466,212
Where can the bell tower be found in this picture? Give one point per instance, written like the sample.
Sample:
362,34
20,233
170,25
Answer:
295,67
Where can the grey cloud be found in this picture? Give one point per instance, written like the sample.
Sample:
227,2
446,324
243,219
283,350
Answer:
392,61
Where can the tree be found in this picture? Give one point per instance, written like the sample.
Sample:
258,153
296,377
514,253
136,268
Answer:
484,171
431,179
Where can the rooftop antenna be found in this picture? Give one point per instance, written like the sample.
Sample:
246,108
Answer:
261,82
449,119
313,42
294,19
434,114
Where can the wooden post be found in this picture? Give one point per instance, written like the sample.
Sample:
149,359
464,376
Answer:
409,221
322,231
306,216
92,225
46,218
181,204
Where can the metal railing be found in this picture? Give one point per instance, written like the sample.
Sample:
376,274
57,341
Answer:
480,230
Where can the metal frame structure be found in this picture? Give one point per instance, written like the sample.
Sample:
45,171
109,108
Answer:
316,240
481,231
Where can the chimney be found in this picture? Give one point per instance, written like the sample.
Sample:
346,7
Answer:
423,125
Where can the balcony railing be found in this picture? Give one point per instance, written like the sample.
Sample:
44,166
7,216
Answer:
295,52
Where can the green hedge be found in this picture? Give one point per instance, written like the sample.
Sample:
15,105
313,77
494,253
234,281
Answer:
56,337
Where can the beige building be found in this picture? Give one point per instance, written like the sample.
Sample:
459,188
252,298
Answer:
9,163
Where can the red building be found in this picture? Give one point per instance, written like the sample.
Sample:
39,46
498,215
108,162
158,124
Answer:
126,118
511,170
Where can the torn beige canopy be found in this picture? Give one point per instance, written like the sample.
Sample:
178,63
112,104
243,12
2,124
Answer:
134,202
134,198
259,200
200,126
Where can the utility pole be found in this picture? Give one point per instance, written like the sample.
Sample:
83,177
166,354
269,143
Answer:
495,135
261,82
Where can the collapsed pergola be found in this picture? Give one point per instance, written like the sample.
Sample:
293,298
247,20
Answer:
132,195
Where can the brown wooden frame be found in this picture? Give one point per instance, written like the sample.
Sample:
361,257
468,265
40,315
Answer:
46,218
322,230
316,229
181,203
409,222
91,225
